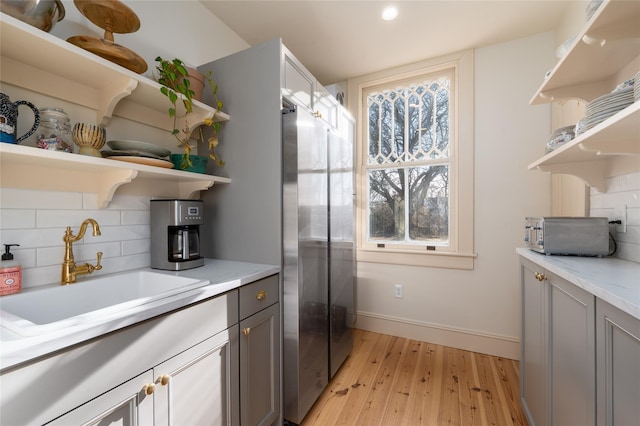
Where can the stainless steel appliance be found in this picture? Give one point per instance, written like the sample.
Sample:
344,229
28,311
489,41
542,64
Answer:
581,236
318,257
290,203
175,234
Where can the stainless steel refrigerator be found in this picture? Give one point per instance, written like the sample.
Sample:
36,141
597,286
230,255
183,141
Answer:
290,202
318,263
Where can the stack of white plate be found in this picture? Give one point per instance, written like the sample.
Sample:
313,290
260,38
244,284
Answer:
636,88
138,152
559,137
607,105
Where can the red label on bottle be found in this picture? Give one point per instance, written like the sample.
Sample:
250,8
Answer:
11,280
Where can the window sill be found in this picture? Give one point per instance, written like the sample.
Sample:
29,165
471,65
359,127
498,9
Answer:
412,258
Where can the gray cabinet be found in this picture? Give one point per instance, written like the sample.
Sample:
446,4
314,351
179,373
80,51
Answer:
618,368
178,368
533,345
125,404
297,82
260,353
198,386
571,353
557,365
194,387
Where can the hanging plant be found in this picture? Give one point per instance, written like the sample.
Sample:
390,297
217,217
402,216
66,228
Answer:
173,76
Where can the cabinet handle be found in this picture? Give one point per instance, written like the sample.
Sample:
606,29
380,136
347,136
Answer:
246,331
163,379
149,388
540,277
261,295
317,114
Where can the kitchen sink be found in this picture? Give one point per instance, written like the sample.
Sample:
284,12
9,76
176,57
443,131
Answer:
40,311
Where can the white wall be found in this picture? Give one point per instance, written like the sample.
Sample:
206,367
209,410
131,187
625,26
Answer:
37,220
169,28
480,309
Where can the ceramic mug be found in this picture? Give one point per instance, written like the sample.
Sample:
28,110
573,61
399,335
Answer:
9,119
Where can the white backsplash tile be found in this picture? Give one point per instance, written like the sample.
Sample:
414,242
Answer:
41,200
33,237
49,256
621,190
17,218
136,247
37,221
74,218
135,217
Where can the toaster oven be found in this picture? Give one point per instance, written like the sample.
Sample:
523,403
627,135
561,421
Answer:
578,236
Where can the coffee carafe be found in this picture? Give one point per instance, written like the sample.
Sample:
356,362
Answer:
175,234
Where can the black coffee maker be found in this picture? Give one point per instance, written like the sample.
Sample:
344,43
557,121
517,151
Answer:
175,234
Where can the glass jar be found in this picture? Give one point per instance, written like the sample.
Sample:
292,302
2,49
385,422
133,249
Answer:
54,132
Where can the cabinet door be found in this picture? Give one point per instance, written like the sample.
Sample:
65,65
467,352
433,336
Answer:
572,353
127,404
618,366
199,385
533,345
260,367
298,82
326,106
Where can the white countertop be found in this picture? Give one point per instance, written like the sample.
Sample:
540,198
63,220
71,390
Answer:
222,276
613,280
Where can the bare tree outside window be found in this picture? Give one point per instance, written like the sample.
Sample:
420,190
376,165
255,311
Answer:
408,162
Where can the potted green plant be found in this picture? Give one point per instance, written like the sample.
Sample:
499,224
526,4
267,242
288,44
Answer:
174,78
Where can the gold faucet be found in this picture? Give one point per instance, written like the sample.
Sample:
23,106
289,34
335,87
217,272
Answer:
69,268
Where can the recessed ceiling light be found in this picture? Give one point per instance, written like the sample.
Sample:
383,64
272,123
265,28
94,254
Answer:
389,13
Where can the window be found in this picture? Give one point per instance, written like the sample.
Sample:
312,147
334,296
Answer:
408,162
415,164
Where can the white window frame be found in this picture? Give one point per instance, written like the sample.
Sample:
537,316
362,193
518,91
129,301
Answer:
460,254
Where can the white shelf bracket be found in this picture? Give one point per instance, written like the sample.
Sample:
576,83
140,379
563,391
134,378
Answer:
111,95
110,182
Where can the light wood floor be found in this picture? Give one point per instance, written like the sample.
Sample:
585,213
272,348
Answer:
389,380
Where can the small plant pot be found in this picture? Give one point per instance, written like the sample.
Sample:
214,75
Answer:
196,78
199,163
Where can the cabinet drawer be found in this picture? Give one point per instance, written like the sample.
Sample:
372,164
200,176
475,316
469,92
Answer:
258,295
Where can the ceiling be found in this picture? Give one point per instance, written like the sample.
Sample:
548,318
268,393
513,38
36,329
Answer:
337,40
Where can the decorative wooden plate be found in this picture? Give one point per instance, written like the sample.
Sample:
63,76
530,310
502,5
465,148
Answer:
111,51
111,15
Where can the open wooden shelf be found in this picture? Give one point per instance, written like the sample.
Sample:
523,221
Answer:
37,61
588,155
26,167
609,42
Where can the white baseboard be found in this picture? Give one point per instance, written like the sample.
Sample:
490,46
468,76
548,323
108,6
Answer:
469,340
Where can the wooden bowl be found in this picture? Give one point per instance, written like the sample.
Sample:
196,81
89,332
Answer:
89,138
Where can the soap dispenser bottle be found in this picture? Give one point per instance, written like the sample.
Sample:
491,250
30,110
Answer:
10,272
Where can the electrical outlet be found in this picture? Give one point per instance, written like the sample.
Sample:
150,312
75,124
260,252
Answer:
398,291
620,213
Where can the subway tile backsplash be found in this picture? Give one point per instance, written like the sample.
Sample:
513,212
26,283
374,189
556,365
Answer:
621,190
37,221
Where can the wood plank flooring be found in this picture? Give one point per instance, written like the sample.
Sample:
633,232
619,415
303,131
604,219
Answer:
389,380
